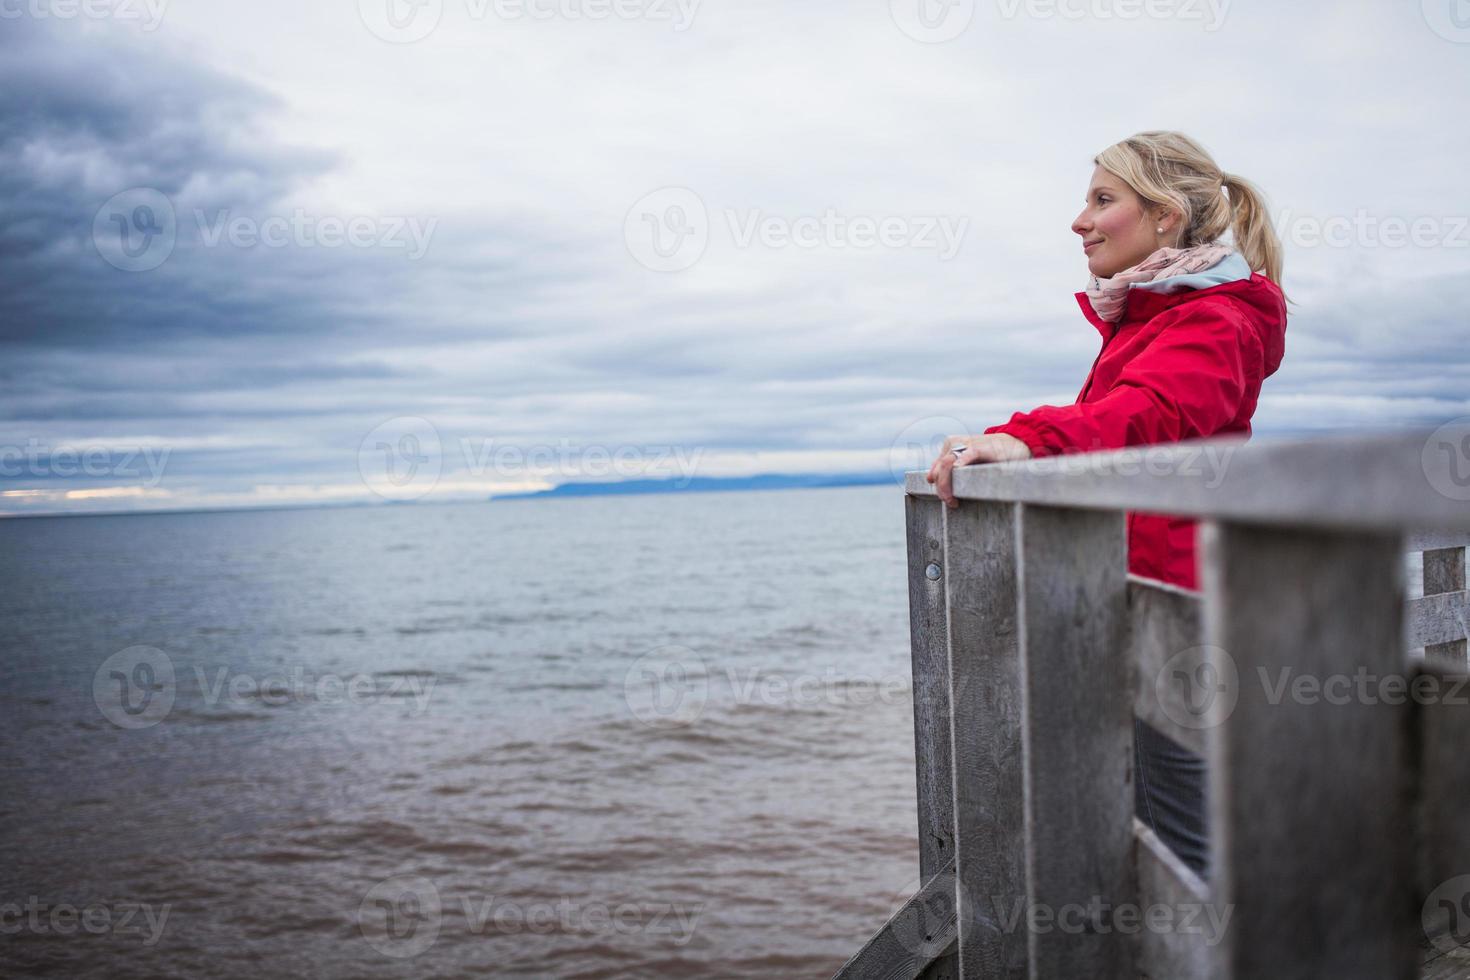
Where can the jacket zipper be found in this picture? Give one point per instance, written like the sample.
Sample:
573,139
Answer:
1087,387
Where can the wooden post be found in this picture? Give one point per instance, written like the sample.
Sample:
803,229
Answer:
928,631
1444,571
1310,770
1444,797
929,635
986,684
1079,739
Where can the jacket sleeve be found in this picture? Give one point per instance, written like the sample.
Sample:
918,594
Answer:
1188,382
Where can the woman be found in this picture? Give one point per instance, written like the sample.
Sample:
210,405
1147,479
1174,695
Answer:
1191,327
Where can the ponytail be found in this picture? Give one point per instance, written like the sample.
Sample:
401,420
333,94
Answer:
1250,226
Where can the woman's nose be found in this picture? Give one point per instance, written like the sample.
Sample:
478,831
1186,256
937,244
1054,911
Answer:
1080,224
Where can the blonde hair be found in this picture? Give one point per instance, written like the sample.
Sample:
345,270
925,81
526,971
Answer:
1171,170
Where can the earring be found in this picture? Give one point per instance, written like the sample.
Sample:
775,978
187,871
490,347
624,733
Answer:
1161,231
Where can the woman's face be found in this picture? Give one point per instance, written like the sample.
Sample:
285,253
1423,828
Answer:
1117,231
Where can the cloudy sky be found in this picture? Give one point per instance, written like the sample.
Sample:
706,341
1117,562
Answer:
282,252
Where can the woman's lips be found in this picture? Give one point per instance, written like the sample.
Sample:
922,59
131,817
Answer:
1089,246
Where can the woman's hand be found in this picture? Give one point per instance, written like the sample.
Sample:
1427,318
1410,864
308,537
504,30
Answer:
994,448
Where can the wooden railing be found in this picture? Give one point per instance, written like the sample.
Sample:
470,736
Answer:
1336,798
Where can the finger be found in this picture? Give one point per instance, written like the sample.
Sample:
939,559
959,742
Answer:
975,454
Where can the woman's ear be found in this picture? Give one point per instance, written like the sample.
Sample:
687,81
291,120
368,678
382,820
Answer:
1165,220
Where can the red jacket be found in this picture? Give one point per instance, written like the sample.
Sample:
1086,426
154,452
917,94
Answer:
1181,365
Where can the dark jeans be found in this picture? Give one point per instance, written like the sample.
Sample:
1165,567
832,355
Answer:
1169,795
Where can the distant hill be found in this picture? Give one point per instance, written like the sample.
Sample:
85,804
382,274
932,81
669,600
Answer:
706,484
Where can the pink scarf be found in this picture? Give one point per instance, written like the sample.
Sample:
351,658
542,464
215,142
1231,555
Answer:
1110,296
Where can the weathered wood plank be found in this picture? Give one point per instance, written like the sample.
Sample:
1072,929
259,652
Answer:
929,639
1310,794
1181,944
1437,621
1431,540
1453,965
1444,572
933,742
1164,622
915,939
1442,699
1382,481
1079,788
986,691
